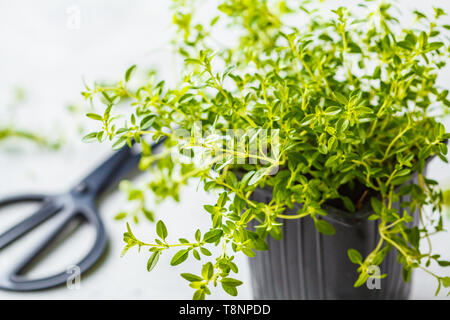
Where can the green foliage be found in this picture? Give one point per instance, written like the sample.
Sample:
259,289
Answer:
353,97
136,196
10,131
15,133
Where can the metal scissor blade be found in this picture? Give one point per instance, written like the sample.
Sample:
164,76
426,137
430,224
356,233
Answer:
118,165
43,244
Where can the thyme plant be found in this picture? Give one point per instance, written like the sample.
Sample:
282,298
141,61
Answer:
9,130
354,98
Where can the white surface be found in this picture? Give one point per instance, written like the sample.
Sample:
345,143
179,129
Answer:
40,53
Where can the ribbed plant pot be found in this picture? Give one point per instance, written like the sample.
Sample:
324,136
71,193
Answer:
306,264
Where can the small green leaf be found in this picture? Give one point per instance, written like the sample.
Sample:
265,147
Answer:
207,271
348,204
205,251
199,295
152,261
120,143
248,252
179,257
90,137
196,254
191,277
232,291
341,98
94,116
361,280
444,263
213,236
435,45
324,227
354,256
257,176
231,282
198,235
120,216
149,214
376,205
446,282
161,230
147,122
129,72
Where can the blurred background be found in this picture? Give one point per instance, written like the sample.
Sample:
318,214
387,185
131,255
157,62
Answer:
47,49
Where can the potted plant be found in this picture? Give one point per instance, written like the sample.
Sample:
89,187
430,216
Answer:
317,136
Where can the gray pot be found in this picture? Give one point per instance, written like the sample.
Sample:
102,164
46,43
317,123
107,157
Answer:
306,264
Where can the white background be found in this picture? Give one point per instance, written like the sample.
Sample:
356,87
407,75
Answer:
42,54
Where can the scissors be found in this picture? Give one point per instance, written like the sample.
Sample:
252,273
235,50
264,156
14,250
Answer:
79,202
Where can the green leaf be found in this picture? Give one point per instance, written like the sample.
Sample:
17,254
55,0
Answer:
348,204
129,72
90,137
435,46
207,271
406,273
120,143
161,230
423,39
147,122
444,263
94,116
196,254
231,179
324,227
205,251
198,235
148,214
341,98
333,110
376,205
231,282
246,178
248,252
100,136
191,277
120,216
354,256
213,236
192,61
361,280
232,291
402,44
199,295
125,250
446,282
152,261
257,176
179,257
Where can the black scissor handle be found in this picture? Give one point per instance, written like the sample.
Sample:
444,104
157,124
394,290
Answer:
67,212
22,198
49,208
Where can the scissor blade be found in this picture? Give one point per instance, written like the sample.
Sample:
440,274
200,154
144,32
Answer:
44,244
112,170
48,210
